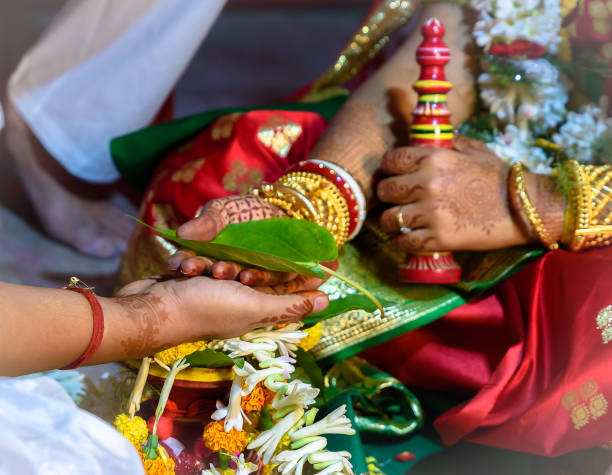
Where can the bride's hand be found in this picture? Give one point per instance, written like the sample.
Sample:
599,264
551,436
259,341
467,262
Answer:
213,218
448,199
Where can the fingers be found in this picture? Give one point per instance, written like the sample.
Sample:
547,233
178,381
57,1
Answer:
276,309
404,160
417,240
264,277
205,227
224,270
176,259
406,216
299,284
400,189
198,265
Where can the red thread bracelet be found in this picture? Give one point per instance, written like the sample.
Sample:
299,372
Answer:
98,327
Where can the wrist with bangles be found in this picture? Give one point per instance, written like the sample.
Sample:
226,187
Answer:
589,205
77,285
321,192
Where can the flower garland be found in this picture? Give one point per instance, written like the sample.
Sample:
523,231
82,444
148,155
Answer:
523,89
267,417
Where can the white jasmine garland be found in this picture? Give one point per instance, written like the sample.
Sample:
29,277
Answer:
268,440
580,131
518,145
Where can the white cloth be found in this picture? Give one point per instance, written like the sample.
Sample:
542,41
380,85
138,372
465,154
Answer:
103,69
44,433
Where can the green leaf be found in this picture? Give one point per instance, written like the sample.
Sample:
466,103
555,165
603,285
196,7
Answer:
209,359
308,363
279,244
345,304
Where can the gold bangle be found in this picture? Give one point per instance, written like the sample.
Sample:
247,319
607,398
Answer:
588,213
518,178
306,195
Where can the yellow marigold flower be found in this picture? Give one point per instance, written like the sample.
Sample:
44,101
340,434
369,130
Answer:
162,465
268,468
217,440
254,401
314,335
134,430
169,356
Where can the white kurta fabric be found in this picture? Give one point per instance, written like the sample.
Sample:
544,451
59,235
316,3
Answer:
44,433
103,69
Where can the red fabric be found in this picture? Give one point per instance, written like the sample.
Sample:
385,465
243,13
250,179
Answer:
532,352
235,152
98,328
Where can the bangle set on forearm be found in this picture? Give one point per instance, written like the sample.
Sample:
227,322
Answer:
320,192
589,204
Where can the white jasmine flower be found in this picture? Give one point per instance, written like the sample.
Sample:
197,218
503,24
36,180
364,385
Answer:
581,130
507,21
268,440
297,394
212,471
325,456
292,461
334,423
272,370
517,145
245,348
286,338
235,416
242,467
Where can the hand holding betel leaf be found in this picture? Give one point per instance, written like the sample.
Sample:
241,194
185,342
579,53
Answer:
278,244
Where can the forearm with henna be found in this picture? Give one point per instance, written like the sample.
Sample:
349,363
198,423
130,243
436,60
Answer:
548,202
377,116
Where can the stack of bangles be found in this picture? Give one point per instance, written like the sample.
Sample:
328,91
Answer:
321,192
589,204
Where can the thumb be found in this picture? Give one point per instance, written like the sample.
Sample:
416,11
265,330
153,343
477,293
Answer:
205,227
276,309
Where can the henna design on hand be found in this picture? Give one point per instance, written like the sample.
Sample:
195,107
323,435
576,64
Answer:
473,191
293,313
147,313
395,191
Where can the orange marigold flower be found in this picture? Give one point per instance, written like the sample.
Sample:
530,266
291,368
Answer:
217,440
254,401
162,465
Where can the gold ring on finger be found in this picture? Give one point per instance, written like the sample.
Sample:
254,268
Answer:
400,219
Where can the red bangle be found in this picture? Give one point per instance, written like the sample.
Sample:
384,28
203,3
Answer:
345,189
98,327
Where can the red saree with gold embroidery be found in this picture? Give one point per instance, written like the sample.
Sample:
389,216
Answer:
532,358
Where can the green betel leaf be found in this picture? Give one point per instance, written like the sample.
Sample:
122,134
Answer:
209,359
308,363
278,244
342,305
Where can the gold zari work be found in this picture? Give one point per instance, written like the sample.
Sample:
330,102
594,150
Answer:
279,135
585,405
589,207
374,33
604,323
